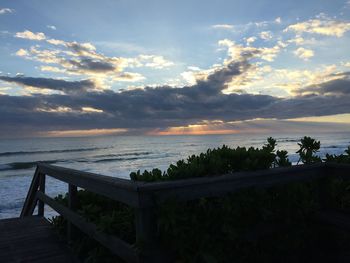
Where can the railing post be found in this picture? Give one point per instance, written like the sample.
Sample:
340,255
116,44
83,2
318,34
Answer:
72,204
145,233
147,236
41,204
30,202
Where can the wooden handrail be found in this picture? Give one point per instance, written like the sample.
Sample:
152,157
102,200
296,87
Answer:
195,188
116,245
144,197
121,190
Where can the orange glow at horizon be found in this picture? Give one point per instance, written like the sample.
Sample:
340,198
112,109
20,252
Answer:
78,133
337,118
196,129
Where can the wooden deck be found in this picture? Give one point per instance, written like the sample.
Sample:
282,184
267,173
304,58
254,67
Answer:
31,239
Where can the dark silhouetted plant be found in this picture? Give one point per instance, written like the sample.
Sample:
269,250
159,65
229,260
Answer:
308,148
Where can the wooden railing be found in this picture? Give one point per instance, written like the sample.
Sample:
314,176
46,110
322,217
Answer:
144,197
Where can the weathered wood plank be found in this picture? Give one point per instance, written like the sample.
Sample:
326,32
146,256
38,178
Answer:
41,204
72,204
297,169
31,239
217,186
29,203
117,189
116,245
146,230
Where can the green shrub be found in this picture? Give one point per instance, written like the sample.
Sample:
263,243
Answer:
219,161
224,229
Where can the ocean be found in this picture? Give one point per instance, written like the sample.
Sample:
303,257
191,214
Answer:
119,155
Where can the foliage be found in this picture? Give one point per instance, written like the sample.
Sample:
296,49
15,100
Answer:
342,158
223,229
219,161
252,225
308,148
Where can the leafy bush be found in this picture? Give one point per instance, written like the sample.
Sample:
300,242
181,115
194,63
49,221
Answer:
219,161
252,225
308,148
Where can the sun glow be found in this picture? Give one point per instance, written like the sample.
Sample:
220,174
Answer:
195,129
82,133
338,118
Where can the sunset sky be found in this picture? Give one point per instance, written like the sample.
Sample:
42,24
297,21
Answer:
71,68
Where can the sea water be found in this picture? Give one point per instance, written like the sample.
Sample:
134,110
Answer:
117,156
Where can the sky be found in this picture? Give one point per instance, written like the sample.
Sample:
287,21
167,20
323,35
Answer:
76,68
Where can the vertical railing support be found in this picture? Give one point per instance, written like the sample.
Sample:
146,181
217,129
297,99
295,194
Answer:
30,202
72,204
41,204
147,234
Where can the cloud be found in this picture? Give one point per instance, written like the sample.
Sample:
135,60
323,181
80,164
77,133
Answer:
322,26
152,61
6,10
68,87
223,26
339,86
80,133
22,53
129,77
299,40
144,109
265,35
250,40
138,108
56,42
74,58
221,93
151,108
304,53
281,82
258,125
51,69
90,65
90,109
30,35
235,51
83,60
51,27
249,79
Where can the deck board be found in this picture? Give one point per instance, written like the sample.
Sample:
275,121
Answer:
31,239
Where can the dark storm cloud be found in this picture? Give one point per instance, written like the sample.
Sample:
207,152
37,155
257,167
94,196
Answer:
307,106
52,84
92,65
80,48
159,107
336,86
89,60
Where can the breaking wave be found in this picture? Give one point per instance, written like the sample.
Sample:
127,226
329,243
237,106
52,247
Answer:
52,151
23,165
